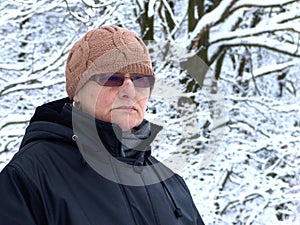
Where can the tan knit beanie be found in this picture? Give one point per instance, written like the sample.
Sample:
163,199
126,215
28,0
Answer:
102,50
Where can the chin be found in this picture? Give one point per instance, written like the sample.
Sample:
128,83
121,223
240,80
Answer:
126,125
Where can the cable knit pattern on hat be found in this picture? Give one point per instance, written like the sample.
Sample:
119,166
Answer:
105,49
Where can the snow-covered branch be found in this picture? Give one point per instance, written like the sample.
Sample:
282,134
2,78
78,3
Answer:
269,69
227,7
260,42
210,19
92,4
271,28
265,3
13,119
33,77
166,4
19,14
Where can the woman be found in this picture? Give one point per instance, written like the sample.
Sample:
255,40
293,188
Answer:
86,159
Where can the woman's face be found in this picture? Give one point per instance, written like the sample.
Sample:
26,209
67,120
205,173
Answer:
122,105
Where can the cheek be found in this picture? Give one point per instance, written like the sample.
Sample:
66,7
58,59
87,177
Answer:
87,101
143,103
104,103
143,96
93,100
106,98
90,98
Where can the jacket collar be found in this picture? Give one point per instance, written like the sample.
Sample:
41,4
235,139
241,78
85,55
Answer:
92,131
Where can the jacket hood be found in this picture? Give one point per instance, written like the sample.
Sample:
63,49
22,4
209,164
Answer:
59,121
46,123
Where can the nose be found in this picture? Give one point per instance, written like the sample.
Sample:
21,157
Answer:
127,88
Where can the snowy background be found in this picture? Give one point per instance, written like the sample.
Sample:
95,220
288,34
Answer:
227,91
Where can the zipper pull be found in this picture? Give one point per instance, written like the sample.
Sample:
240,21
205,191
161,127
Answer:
75,138
178,212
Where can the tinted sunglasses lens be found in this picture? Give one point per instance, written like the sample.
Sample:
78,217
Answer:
110,80
143,81
114,80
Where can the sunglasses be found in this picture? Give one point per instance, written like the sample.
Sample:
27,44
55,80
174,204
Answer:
115,80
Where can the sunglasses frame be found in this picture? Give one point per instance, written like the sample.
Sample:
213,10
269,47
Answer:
105,81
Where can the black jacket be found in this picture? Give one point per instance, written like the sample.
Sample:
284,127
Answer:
51,181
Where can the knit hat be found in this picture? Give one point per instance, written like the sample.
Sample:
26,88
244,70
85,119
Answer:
107,49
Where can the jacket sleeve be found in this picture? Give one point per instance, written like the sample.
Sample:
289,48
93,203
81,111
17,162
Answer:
15,205
199,220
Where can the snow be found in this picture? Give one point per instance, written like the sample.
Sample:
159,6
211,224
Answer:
151,8
238,149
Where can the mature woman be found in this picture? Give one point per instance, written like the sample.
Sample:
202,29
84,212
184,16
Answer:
86,159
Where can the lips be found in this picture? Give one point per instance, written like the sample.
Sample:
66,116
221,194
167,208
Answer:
126,108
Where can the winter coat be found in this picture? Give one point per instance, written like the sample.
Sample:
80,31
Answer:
54,178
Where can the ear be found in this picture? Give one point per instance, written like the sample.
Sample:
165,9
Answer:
75,98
